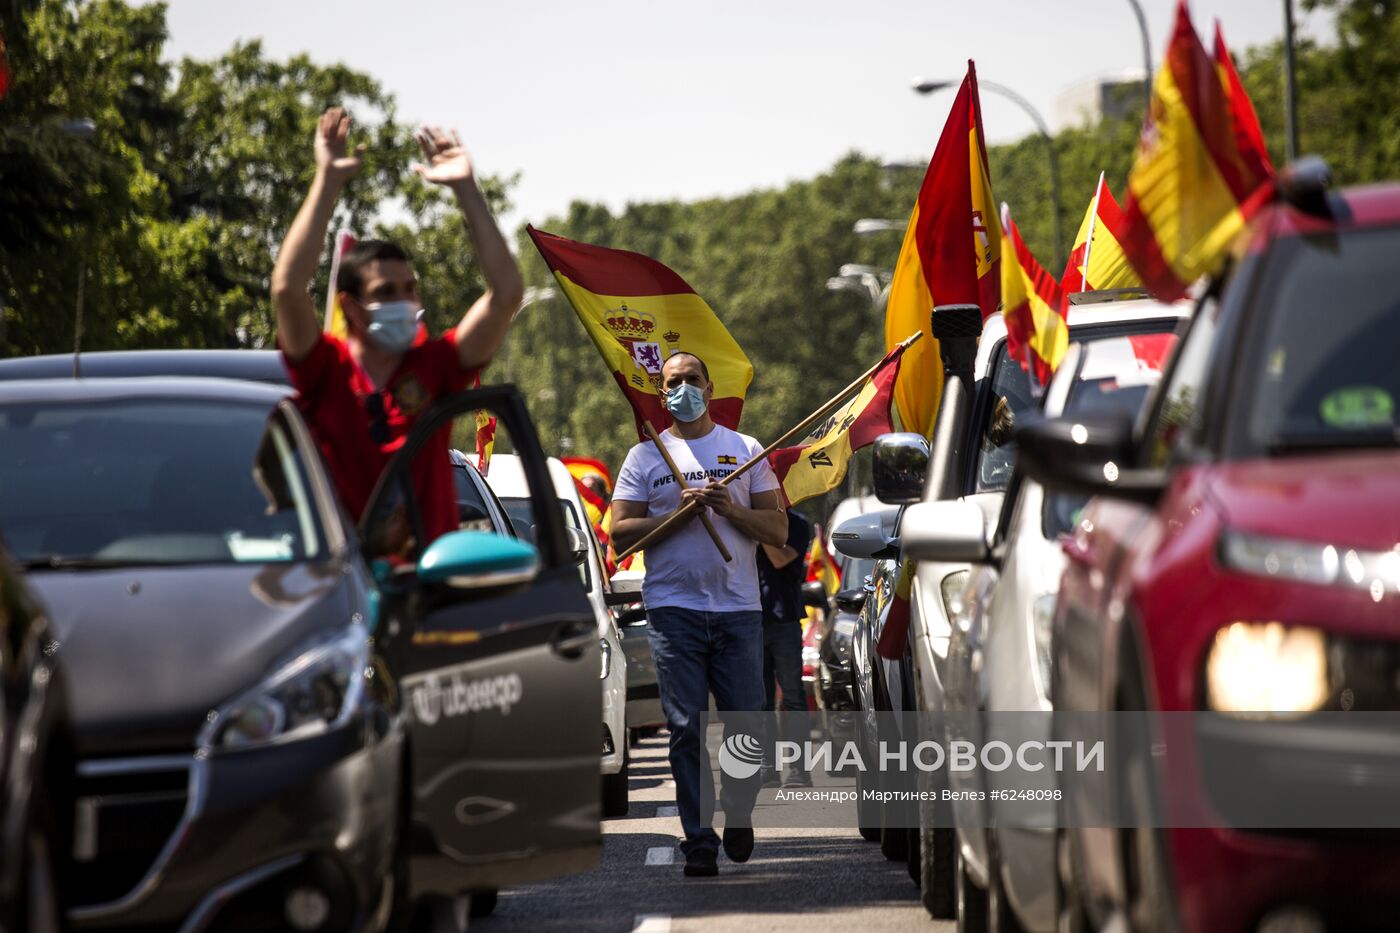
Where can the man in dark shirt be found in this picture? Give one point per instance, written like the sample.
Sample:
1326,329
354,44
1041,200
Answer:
780,574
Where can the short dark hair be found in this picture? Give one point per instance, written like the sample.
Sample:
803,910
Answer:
350,276
704,370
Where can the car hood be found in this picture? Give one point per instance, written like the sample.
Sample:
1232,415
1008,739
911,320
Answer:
1348,499
149,652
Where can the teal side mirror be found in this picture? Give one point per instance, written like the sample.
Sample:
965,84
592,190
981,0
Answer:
478,559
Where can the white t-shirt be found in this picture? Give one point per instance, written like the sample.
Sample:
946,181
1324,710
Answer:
686,570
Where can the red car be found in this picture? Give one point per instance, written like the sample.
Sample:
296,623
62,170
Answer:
1239,571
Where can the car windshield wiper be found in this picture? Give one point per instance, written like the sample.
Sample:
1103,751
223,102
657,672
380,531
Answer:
62,562
1333,440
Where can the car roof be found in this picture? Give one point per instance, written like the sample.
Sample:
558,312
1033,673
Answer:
180,387
1375,205
254,365
1093,313
506,477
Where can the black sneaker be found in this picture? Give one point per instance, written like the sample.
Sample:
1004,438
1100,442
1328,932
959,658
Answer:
798,779
701,863
738,843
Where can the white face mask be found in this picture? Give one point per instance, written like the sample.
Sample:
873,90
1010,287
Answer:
394,324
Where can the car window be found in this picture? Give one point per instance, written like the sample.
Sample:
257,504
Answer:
1324,373
1180,410
153,481
1012,400
472,514
522,516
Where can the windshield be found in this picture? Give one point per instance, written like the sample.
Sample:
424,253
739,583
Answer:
1325,373
152,481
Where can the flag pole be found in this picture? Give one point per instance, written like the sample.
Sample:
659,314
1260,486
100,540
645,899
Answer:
685,511
680,481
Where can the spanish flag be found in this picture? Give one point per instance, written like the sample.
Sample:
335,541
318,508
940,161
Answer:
1033,305
1257,167
950,255
583,467
819,463
485,431
1189,187
638,312
821,565
895,633
335,315
1097,260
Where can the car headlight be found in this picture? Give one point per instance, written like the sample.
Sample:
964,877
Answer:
1311,562
1267,669
605,650
316,690
1042,618
955,600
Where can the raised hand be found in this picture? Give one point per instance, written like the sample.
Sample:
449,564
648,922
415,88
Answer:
448,163
333,160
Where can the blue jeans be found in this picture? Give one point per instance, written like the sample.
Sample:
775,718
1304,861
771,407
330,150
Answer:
697,653
782,662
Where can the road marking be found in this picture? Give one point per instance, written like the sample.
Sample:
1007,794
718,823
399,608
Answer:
652,923
661,855
668,811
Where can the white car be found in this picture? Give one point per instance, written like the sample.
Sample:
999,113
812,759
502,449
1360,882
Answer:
998,663
505,478
979,468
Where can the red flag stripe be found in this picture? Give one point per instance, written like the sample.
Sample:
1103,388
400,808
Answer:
599,270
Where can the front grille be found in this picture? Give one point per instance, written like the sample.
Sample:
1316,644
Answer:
124,815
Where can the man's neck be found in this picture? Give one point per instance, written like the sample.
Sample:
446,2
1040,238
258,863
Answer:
692,430
378,364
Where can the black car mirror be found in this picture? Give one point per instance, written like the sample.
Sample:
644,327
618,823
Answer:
1089,455
814,594
850,601
900,467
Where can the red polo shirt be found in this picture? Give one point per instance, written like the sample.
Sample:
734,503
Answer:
334,397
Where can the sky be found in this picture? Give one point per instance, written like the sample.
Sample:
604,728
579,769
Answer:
617,101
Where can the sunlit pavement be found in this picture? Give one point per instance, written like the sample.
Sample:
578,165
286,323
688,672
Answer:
798,879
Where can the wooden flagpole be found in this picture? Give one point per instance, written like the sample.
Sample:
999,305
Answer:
686,511
680,481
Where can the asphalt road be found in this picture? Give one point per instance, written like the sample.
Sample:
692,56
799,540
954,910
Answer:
798,879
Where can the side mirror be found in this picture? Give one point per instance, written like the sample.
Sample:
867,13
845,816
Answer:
478,560
952,531
814,594
578,544
850,601
900,468
869,536
1087,454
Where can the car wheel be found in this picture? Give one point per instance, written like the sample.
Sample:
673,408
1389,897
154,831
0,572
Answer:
481,902
894,840
1001,918
936,866
615,790
972,900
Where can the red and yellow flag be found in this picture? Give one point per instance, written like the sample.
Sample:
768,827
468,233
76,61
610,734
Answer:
821,565
485,431
1097,260
1033,305
1257,168
819,463
950,255
583,467
1189,183
895,633
334,323
638,312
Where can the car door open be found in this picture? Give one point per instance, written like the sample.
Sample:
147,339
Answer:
496,651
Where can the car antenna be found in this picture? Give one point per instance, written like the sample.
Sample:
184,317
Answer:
78,326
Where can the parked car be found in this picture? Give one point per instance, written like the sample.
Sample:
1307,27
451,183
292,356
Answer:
835,684
279,726
507,479
1239,559
644,713
998,663
36,762
249,365
987,393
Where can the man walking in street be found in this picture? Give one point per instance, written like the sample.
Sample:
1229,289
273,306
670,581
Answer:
780,574
705,623
362,396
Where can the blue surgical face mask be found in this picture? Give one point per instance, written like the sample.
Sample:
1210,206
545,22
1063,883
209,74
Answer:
686,402
394,324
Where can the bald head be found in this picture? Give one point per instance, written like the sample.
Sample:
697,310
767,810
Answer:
686,361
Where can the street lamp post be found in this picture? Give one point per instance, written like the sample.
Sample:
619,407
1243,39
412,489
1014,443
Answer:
1146,58
923,86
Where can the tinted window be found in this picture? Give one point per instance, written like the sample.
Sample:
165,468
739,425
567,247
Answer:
153,481
1180,413
1325,373
472,514
522,516
1012,401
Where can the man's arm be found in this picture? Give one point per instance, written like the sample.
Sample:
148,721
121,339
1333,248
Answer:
780,557
297,326
483,327
630,524
764,520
